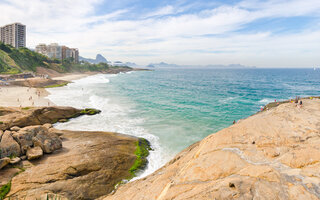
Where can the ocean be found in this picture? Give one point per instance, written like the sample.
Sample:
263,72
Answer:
176,107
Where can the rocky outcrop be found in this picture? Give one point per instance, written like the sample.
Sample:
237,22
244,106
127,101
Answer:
88,166
38,82
34,153
28,116
8,146
48,141
17,143
4,162
274,154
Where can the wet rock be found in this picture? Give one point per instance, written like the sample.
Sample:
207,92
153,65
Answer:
8,146
34,153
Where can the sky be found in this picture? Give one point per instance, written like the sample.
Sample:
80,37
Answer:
262,33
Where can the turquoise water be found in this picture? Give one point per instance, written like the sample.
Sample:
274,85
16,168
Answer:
174,108
182,106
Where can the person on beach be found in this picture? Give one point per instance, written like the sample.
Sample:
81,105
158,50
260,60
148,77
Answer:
297,99
300,103
234,121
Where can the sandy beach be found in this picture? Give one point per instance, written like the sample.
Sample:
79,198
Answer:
17,96
71,77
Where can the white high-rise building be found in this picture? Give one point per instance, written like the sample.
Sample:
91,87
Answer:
13,34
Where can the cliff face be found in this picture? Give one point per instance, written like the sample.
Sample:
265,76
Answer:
274,154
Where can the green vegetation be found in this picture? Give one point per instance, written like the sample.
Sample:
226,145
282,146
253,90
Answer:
89,111
142,152
86,111
25,108
4,190
14,61
56,85
1,122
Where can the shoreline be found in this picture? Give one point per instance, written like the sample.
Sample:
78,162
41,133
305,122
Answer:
21,96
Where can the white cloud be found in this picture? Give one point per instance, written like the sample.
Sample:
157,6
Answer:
207,37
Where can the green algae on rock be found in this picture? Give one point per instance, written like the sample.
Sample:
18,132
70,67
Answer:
142,152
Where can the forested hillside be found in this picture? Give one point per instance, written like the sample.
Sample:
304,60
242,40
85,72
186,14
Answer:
14,61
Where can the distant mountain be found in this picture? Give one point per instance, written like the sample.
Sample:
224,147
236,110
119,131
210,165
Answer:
150,66
99,59
163,64
131,64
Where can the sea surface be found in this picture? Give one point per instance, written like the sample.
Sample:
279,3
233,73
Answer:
175,107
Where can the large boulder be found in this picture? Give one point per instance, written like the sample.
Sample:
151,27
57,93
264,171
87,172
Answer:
34,153
48,141
4,162
8,146
24,137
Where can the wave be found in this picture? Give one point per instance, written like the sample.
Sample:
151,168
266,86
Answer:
266,101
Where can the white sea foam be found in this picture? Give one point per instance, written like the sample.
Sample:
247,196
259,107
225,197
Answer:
115,115
226,100
265,101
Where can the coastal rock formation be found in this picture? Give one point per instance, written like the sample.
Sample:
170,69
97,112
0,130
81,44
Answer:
34,153
8,146
81,165
16,143
48,141
38,82
88,166
4,162
28,116
274,154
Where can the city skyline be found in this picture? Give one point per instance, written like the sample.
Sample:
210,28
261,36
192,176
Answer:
250,32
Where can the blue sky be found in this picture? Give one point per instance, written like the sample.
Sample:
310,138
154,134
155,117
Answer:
264,33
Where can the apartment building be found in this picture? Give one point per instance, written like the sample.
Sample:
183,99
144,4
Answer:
59,52
13,34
